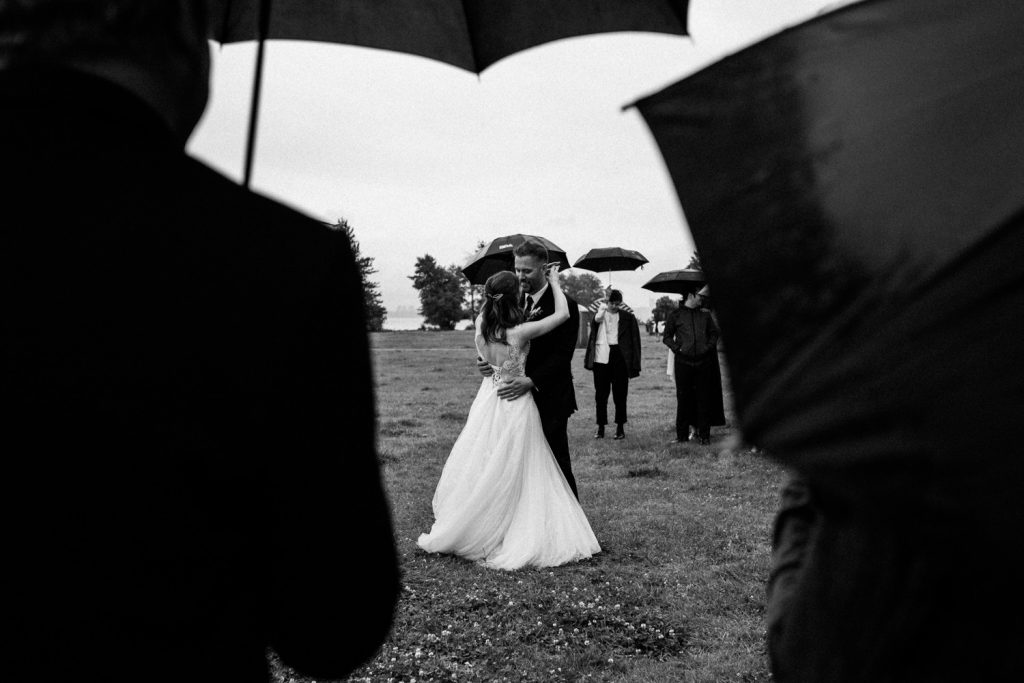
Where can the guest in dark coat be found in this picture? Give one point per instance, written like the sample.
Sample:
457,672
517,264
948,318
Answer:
189,433
716,412
613,355
692,336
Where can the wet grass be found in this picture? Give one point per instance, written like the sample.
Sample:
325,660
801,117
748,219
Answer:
677,593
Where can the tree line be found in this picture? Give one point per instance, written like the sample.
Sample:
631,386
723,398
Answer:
447,297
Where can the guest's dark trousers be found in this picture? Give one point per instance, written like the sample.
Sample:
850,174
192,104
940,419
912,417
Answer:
694,388
611,377
556,431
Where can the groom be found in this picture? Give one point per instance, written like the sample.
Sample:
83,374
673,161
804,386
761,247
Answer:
549,363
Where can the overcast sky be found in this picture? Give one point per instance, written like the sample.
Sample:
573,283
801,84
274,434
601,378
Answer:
423,158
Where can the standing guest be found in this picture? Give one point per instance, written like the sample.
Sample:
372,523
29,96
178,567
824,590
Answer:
716,410
613,354
189,433
692,336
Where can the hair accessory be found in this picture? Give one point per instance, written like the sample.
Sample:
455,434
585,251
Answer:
495,297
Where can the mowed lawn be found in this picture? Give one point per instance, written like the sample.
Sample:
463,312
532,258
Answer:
677,593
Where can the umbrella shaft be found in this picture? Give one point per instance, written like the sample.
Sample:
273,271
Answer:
257,88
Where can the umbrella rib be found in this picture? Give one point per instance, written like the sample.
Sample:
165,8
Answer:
469,38
224,22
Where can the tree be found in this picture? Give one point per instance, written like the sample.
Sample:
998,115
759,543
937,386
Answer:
373,305
694,263
442,292
662,308
585,288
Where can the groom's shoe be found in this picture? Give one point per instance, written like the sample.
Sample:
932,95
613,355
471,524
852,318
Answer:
620,433
600,432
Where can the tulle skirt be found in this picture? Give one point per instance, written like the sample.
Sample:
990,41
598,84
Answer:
502,499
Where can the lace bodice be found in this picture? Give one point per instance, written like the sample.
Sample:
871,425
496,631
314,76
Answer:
515,363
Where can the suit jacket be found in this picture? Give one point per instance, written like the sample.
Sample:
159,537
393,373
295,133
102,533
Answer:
191,421
549,363
629,343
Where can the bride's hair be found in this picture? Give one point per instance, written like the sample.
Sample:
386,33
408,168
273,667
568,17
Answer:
501,309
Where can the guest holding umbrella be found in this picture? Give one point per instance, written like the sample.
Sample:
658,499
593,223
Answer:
692,336
613,355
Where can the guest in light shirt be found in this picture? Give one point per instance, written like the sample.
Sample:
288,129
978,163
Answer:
613,355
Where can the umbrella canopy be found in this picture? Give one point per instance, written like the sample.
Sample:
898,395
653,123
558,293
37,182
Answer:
469,34
855,187
497,255
676,281
604,259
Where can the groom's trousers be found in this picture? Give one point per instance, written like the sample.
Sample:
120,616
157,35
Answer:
556,431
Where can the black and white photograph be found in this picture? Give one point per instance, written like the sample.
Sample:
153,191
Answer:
400,341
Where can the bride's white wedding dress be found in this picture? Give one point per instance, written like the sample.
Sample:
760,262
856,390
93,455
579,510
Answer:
502,498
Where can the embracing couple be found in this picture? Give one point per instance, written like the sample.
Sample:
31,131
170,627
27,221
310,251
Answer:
507,496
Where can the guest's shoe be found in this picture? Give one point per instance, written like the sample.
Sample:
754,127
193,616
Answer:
620,433
600,432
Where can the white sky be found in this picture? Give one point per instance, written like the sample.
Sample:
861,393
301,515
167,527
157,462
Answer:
424,158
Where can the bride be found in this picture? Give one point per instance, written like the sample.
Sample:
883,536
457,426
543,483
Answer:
502,500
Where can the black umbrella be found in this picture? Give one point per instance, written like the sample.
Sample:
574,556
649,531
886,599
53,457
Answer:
607,259
497,255
855,187
470,35
676,281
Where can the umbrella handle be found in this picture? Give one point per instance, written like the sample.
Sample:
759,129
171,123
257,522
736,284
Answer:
257,87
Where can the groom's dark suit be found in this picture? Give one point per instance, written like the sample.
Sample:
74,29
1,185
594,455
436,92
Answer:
549,365
188,432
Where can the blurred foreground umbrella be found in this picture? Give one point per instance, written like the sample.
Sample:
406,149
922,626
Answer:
469,34
607,259
497,255
855,187
676,281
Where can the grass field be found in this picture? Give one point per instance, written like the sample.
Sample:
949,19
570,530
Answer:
677,593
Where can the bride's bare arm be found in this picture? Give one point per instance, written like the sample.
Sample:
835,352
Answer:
482,365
